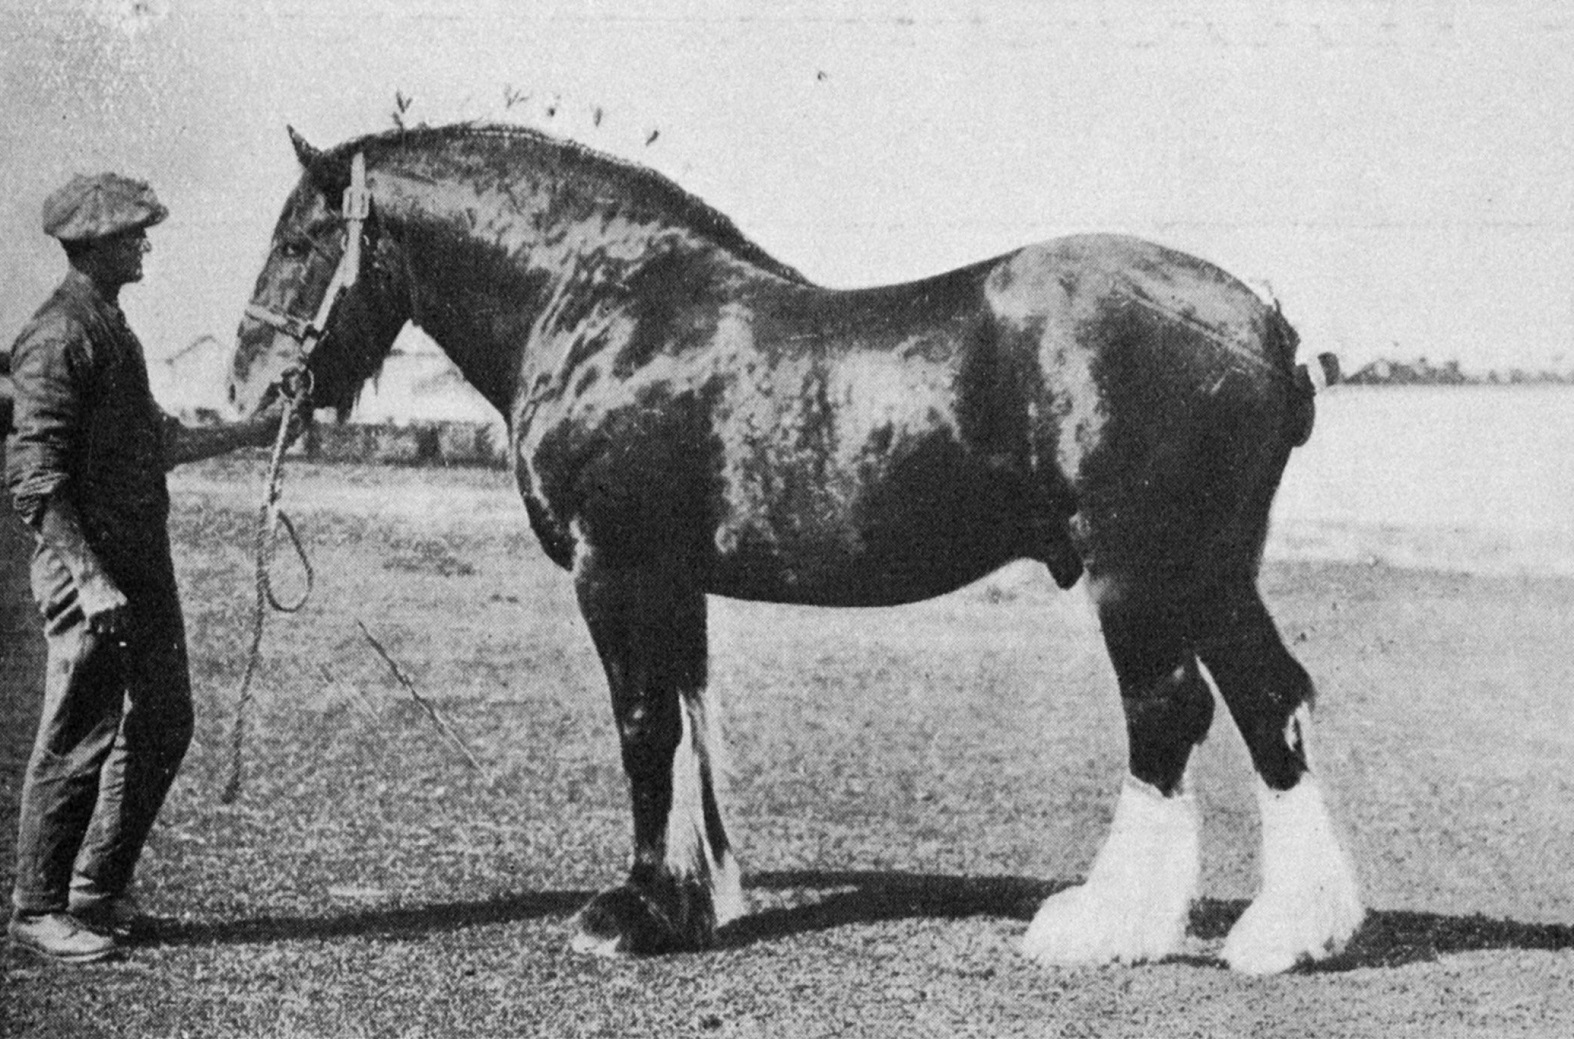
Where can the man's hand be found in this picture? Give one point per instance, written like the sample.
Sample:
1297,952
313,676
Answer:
103,605
184,444
266,423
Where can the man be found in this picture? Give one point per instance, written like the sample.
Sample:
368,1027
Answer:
85,466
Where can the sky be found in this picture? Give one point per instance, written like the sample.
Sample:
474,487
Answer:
1398,174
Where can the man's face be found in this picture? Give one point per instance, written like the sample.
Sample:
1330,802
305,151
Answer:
121,255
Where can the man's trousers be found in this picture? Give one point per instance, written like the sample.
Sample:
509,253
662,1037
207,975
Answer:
116,722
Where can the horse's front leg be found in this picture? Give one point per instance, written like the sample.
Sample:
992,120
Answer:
648,624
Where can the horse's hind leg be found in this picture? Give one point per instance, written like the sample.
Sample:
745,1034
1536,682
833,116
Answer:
1134,904
648,624
1309,905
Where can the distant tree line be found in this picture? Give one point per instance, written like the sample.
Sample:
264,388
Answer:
1421,372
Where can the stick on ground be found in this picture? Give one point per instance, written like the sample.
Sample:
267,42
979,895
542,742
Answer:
426,705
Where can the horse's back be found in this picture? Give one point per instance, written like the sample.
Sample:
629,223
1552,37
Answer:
1094,279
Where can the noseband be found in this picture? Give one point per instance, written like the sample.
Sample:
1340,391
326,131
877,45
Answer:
357,206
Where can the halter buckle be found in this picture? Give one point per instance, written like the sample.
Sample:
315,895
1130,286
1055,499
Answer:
296,383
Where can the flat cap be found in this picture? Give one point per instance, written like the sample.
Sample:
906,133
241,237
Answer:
99,206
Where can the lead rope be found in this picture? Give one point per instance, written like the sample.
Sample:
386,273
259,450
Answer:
356,208
269,518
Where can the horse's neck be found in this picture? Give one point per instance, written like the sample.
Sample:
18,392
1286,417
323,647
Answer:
459,335
505,299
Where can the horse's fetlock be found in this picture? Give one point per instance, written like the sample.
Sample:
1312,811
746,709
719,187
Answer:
648,915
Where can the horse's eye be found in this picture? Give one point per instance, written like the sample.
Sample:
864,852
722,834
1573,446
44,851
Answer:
293,250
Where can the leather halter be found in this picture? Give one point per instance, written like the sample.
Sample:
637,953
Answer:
357,206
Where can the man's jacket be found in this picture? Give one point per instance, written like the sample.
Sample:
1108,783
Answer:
84,422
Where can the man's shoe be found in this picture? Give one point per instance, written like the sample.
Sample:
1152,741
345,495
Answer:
118,916
62,937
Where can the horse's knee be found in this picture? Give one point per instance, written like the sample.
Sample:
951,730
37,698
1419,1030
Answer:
1168,706
1269,706
649,728
1177,702
1164,721
651,734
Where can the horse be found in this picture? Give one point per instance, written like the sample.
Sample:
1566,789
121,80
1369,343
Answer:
688,416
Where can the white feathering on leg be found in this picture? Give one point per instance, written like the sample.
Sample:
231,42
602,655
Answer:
688,852
1309,905
1134,904
728,889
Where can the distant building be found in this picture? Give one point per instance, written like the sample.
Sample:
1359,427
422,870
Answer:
417,383
1420,372
190,382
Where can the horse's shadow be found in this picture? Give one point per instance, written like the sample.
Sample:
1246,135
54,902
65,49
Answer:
864,897
1395,937
1388,938
398,921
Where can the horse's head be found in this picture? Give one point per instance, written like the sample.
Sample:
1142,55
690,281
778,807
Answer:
326,307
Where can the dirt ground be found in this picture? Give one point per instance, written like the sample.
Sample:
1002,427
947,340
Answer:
907,785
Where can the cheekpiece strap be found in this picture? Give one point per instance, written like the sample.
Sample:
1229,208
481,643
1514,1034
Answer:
357,207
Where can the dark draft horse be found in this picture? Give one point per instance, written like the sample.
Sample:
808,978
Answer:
688,416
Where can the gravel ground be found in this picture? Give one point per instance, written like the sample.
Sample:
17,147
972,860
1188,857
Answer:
907,785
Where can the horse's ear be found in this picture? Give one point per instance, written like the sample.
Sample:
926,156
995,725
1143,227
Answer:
330,176
307,155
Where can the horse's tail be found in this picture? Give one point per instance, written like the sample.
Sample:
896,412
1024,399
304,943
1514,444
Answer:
1308,379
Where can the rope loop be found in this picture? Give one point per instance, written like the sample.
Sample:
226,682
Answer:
306,567
269,519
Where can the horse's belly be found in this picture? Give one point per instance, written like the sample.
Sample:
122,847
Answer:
811,576
903,526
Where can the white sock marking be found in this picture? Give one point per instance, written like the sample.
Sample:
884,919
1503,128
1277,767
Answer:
1309,905
1139,889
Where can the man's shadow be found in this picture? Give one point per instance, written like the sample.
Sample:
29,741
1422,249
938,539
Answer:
834,899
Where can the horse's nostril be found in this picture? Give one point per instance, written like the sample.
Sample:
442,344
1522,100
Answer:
233,394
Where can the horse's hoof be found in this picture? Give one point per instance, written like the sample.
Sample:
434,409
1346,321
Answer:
625,921
1074,928
1309,906
1277,933
1267,942
1133,907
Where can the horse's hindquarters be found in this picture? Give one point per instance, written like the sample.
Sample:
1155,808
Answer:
1165,405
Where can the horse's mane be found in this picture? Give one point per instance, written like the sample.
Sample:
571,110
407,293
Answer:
640,185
